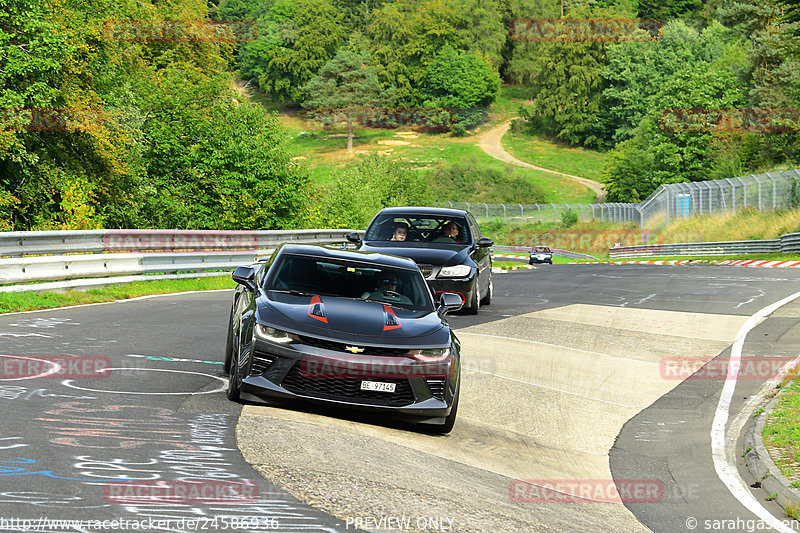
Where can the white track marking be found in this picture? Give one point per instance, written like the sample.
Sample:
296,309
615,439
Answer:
727,470
68,383
50,310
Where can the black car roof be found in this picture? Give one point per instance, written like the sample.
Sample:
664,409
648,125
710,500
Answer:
441,211
349,255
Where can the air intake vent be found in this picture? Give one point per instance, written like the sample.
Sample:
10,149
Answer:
261,363
437,388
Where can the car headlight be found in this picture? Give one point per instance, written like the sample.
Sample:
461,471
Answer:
273,335
457,271
430,354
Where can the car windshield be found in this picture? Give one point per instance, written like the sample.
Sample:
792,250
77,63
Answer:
542,249
419,228
312,276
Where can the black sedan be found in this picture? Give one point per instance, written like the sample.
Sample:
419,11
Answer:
447,244
355,329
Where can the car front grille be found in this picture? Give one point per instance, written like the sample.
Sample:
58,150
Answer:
437,387
427,270
347,389
342,347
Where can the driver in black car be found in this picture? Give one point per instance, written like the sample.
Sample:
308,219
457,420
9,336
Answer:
387,291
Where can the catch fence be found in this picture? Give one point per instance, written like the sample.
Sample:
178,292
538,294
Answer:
765,192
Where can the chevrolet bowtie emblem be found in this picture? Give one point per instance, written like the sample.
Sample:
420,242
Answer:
354,349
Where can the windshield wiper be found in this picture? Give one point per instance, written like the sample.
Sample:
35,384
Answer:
293,292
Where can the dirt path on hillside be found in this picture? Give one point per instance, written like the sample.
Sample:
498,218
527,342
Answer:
489,141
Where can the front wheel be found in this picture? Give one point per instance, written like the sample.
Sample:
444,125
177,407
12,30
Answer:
489,292
450,420
474,302
233,391
226,365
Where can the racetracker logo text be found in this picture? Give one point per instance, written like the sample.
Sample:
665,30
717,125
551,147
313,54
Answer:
586,491
181,492
51,119
584,30
14,367
312,367
755,120
721,369
180,31
430,119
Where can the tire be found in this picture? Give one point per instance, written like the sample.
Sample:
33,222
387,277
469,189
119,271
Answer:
475,303
489,293
226,364
450,420
233,391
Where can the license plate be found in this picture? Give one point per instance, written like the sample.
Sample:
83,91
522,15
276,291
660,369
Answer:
378,386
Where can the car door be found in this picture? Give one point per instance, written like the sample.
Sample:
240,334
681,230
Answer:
481,255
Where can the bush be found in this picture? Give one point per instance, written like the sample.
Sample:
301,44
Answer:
366,186
469,180
569,218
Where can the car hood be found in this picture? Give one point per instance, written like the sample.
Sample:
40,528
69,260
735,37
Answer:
423,253
349,320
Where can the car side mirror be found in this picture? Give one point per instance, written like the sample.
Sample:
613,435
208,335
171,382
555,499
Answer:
354,237
245,275
449,301
485,242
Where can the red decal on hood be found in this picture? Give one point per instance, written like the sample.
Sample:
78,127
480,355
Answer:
316,310
392,322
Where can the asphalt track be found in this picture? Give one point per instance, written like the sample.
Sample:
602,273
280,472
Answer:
567,383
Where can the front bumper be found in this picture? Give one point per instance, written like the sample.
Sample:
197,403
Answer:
423,391
464,287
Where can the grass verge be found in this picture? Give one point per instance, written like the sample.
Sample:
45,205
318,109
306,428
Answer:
551,155
11,302
782,432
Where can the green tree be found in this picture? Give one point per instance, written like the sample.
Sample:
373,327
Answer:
296,38
657,154
566,81
406,35
462,82
636,71
347,85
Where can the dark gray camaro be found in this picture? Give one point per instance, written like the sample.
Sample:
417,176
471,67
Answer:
461,263
353,329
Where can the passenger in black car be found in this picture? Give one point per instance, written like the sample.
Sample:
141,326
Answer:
449,234
400,232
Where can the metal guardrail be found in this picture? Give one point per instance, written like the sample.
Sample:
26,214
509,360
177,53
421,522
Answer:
788,243
21,243
134,253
